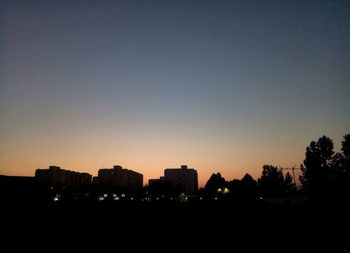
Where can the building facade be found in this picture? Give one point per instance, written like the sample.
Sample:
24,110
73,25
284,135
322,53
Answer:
184,178
120,177
55,176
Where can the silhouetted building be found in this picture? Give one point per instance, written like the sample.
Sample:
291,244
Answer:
157,181
16,187
119,177
55,176
183,178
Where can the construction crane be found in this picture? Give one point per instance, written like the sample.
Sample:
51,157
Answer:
292,169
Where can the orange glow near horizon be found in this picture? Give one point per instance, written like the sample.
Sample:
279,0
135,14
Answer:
150,159
150,150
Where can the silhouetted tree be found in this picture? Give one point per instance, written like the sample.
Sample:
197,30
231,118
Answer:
215,182
235,189
289,186
318,167
271,182
344,168
249,187
346,154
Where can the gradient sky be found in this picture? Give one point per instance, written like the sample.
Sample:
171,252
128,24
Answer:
222,86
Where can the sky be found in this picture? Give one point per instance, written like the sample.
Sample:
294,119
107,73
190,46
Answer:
222,86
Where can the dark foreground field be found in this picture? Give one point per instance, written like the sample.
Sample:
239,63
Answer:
176,225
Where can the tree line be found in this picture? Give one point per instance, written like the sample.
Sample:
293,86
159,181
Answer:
325,176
